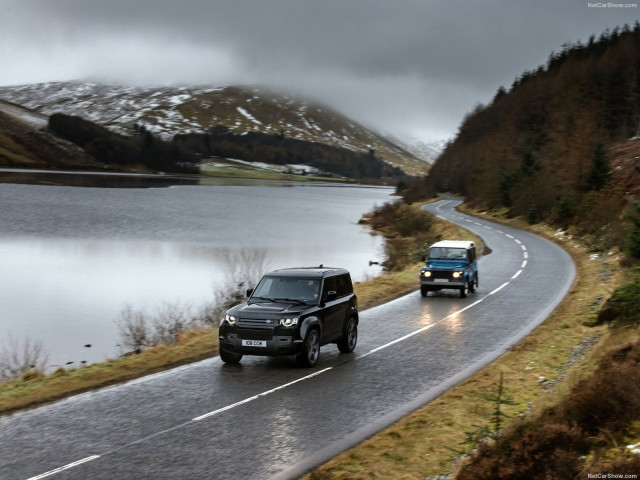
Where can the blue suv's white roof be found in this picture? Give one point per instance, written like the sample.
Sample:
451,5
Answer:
454,244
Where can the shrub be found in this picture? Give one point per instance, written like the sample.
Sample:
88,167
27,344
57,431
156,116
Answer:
17,358
623,307
633,237
551,451
595,414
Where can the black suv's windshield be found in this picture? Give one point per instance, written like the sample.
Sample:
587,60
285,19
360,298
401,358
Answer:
447,253
288,289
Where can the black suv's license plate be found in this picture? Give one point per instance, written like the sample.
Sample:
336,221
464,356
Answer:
254,343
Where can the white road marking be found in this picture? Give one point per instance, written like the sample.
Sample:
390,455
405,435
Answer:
516,274
499,288
466,308
66,467
260,395
509,236
525,255
517,241
524,264
397,340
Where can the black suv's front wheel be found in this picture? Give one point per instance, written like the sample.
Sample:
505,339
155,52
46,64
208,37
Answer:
348,342
310,350
230,357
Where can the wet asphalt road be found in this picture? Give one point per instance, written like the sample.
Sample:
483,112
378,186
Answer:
267,418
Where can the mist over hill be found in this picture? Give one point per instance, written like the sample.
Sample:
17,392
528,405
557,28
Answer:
168,111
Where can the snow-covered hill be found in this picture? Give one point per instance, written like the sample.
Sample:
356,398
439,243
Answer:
170,110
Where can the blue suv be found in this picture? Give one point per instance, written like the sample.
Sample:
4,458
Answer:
451,265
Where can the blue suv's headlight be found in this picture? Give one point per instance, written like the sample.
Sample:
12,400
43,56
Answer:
426,273
457,274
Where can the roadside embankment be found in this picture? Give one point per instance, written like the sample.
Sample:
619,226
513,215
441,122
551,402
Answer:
537,373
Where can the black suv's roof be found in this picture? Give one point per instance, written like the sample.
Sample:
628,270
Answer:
306,272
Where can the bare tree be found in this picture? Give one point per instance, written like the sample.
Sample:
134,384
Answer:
171,321
134,328
243,270
17,358
139,330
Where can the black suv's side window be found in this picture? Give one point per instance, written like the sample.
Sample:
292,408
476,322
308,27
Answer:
329,286
344,285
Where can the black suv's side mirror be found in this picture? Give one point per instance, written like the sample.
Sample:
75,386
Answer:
249,292
424,258
331,295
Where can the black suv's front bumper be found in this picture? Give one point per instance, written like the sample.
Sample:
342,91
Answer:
231,341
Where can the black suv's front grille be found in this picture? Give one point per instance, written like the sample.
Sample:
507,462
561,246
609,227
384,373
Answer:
256,322
255,333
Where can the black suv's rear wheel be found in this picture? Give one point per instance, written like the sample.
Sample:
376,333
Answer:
230,357
310,350
348,342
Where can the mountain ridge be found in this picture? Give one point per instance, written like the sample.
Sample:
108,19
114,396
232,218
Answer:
167,111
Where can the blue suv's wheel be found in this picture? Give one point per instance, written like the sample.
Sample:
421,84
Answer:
474,285
465,289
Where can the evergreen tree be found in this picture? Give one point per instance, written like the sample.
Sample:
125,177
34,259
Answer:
600,169
633,238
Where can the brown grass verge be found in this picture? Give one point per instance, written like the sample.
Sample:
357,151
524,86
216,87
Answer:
35,389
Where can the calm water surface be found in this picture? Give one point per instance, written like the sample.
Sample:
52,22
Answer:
73,258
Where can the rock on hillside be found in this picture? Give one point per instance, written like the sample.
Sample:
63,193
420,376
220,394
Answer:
170,110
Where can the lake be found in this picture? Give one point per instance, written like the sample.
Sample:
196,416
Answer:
72,258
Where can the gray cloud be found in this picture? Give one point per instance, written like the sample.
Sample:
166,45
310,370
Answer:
411,67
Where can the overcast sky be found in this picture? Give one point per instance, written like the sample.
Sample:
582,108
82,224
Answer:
409,67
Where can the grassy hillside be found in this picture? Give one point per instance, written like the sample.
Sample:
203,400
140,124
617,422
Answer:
22,146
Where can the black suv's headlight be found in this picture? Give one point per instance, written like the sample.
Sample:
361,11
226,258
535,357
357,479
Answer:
230,319
288,322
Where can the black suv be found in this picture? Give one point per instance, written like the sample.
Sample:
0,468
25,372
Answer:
293,311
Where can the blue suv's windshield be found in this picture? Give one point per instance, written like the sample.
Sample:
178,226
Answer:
447,253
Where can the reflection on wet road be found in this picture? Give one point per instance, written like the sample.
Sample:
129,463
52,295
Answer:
268,419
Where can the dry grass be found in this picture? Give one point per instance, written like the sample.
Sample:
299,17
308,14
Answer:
34,389
538,372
